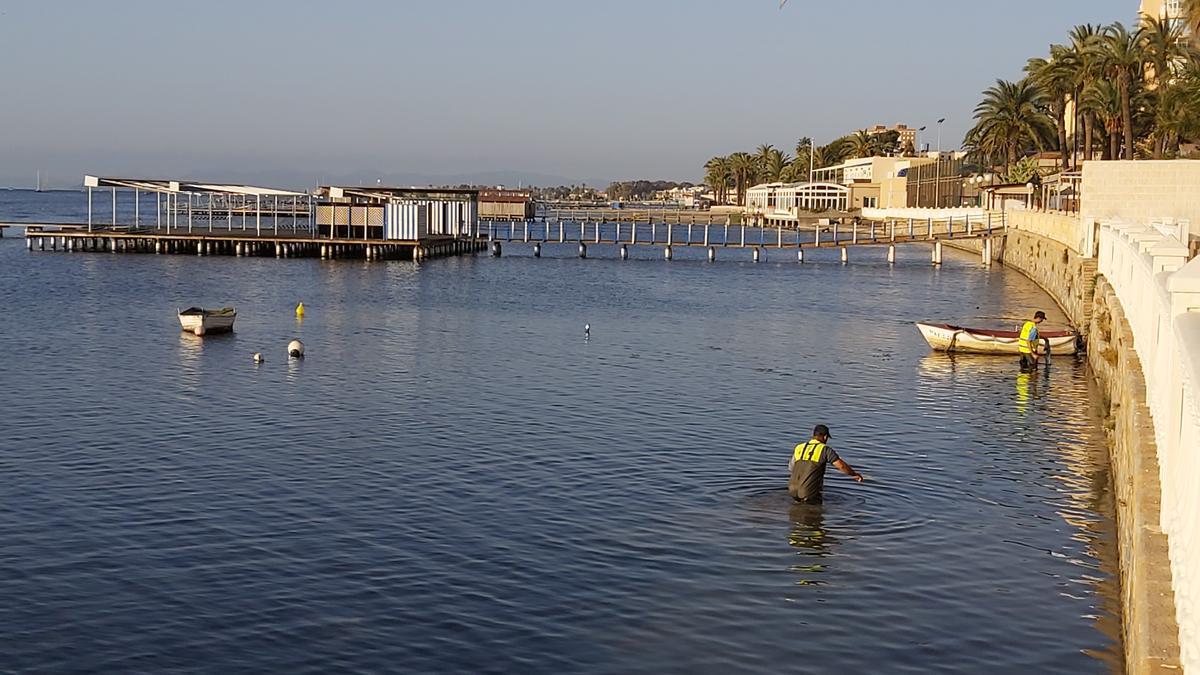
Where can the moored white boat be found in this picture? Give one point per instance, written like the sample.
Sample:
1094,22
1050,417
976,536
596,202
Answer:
204,321
946,337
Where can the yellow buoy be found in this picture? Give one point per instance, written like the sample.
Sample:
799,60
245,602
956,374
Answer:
300,311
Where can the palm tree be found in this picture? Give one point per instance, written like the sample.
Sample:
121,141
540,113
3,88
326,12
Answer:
762,155
1164,53
717,175
1123,61
744,167
1010,118
1056,78
1103,98
801,165
861,144
1162,46
1174,117
777,162
833,153
1084,58
1191,19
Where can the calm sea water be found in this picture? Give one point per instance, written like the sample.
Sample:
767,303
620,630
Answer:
455,480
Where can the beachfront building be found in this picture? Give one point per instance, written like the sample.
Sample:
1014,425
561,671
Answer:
907,136
935,181
871,182
389,213
786,202
1171,11
502,204
686,196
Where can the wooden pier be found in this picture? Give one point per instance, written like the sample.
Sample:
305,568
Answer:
77,238
386,223
728,235
647,216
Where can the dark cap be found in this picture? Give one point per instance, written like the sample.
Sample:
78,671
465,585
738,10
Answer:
821,430
1039,314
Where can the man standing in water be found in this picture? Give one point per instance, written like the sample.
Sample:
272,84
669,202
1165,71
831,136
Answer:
807,467
1027,343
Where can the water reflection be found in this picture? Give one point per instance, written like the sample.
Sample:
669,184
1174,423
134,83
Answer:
811,539
1026,391
943,366
190,350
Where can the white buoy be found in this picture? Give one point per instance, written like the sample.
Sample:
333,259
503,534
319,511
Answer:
295,349
587,330
258,357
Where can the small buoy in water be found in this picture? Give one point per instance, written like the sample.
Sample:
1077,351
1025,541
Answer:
300,311
587,330
258,357
296,349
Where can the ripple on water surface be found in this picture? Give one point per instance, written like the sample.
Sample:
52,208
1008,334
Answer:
455,480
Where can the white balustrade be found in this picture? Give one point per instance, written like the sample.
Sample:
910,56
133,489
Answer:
1159,289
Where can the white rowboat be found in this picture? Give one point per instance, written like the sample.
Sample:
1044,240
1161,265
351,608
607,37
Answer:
204,321
945,337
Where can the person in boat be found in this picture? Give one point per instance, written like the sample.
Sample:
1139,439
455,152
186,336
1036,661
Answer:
1027,343
807,467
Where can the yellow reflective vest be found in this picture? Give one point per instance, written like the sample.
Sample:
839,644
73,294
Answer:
808,452
1025,344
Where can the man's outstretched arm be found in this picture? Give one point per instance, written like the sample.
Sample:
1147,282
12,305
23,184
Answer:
845,468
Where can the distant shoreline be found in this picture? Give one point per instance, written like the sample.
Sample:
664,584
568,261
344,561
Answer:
21,189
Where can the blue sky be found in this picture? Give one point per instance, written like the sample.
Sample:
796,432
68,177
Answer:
296,92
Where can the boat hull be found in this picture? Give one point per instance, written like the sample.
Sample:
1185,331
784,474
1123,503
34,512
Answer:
960,340
206,322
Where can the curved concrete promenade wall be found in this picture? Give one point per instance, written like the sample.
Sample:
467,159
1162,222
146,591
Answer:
1065,228
1160,296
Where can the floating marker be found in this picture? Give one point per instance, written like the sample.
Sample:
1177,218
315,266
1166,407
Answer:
300,311
295,349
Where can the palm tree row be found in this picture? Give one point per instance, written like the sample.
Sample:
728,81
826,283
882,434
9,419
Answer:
731,175
1132,93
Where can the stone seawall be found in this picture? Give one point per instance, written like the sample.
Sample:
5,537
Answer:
1151,634
1065,275
1149,629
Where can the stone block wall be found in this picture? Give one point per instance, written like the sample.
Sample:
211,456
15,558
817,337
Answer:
1067,276
1150,632
1141,191
1065,228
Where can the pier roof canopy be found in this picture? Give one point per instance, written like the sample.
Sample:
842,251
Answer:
387,194
167,185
